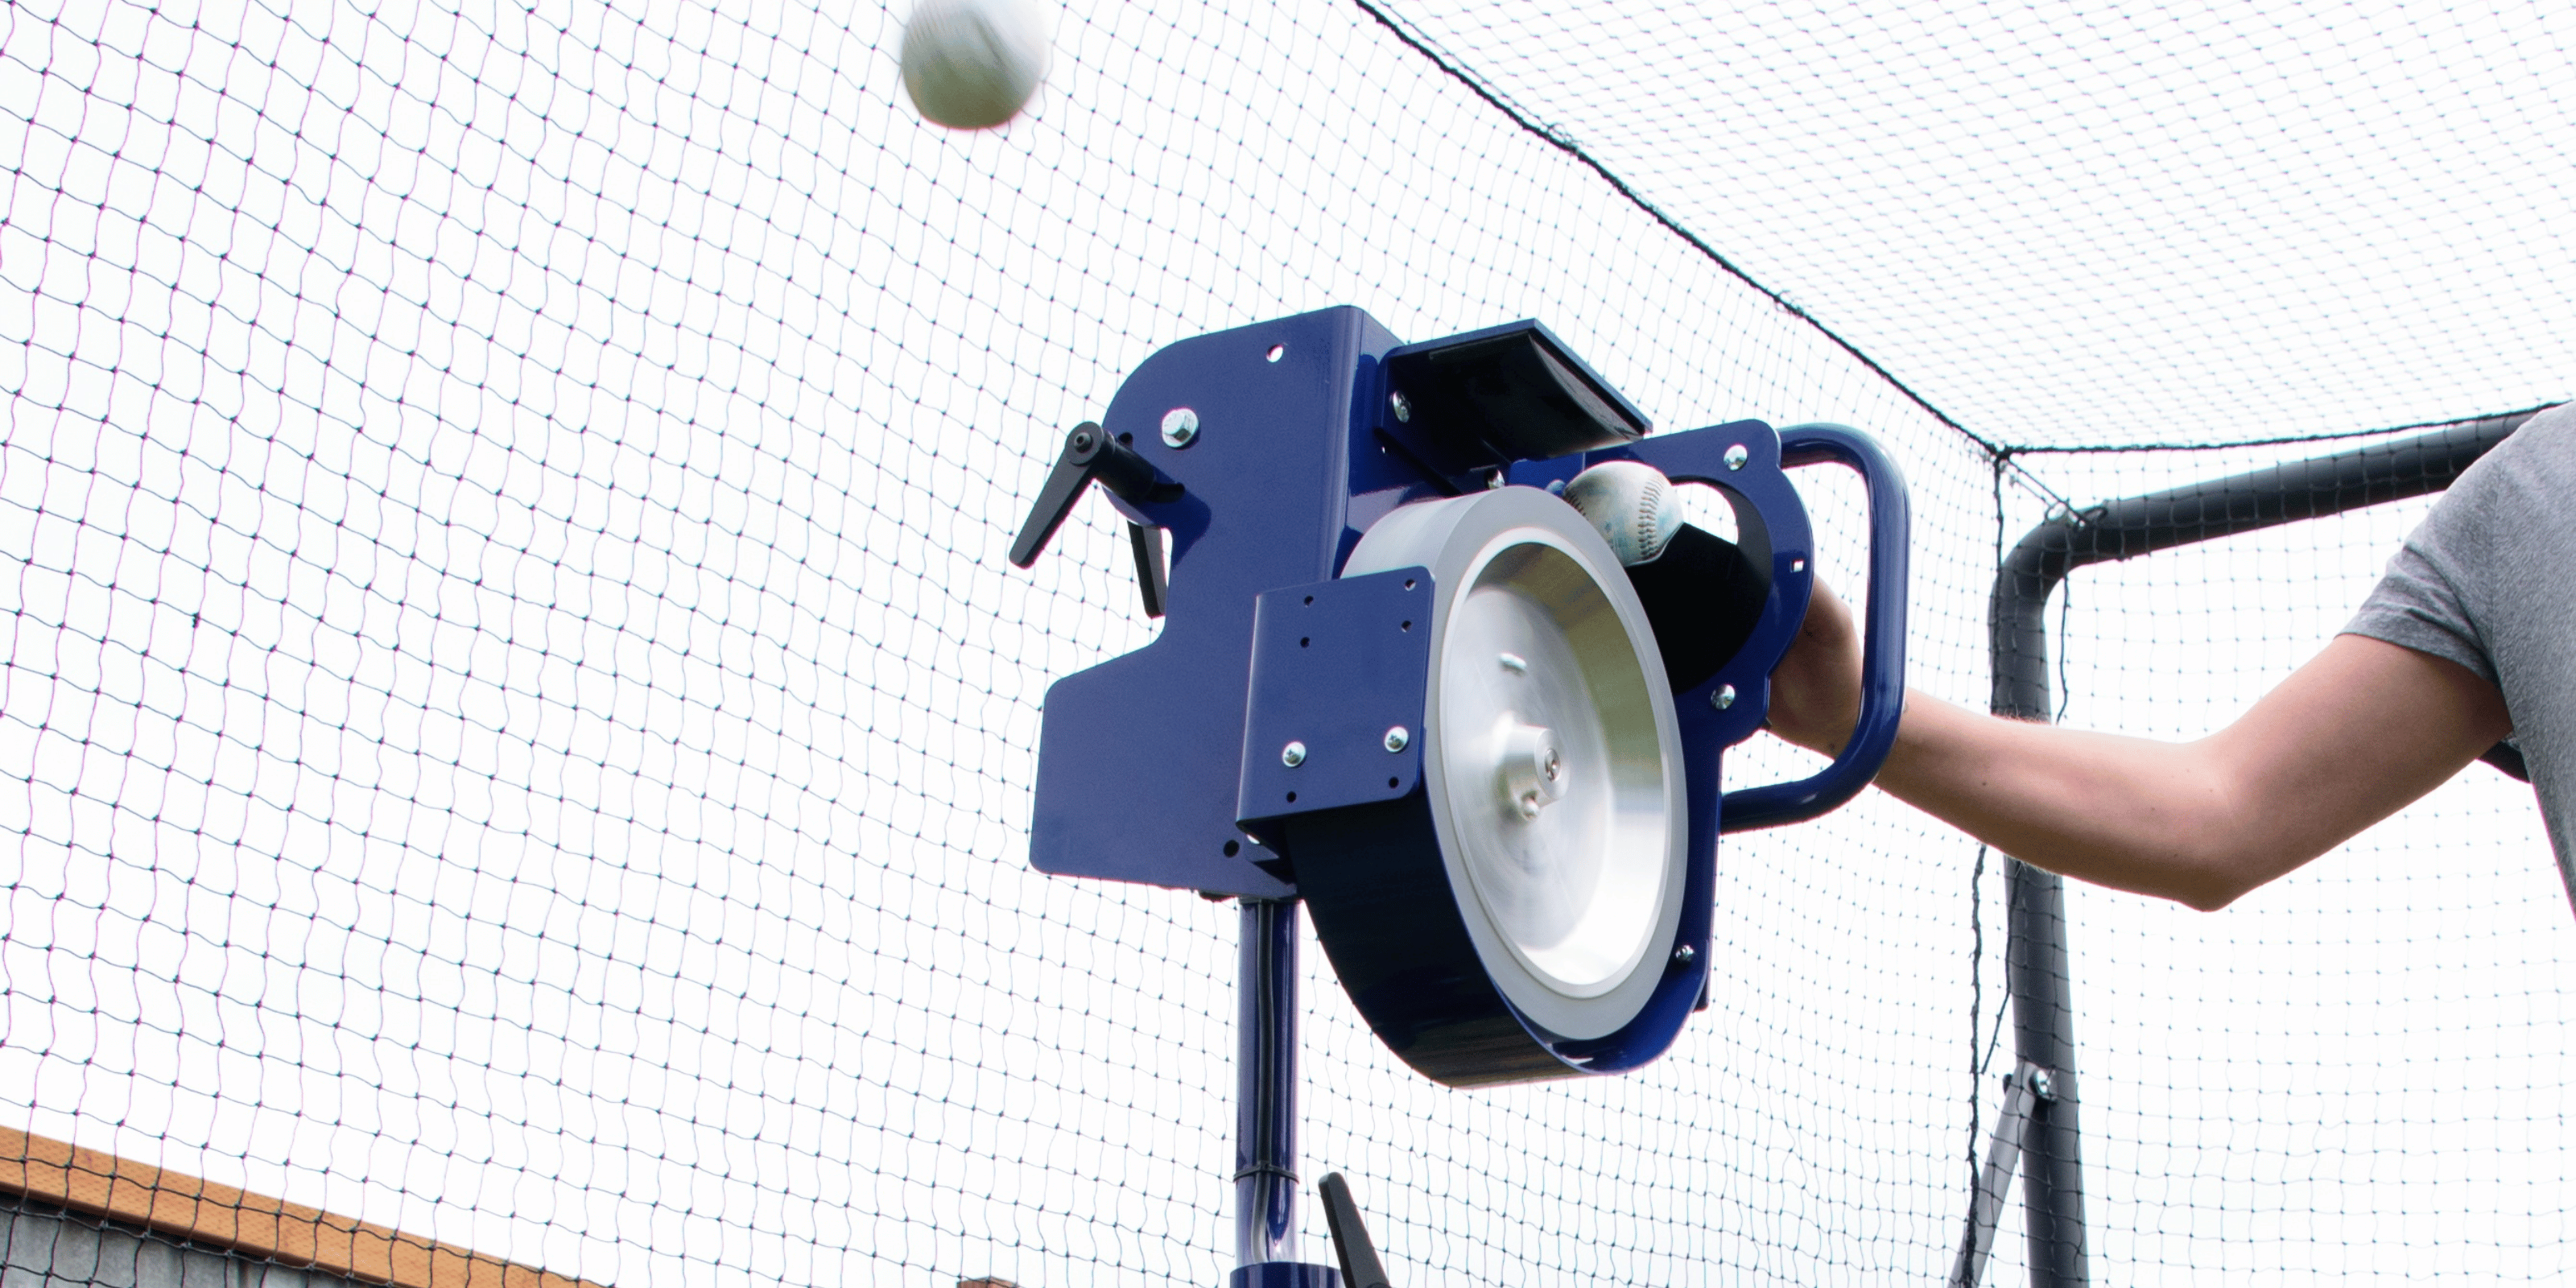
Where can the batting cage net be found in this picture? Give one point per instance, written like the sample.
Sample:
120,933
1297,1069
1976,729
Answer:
516,726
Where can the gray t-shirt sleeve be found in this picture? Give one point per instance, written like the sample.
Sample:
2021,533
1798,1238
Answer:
2417,607
2488,580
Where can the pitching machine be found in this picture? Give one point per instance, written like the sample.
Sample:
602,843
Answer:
1441,660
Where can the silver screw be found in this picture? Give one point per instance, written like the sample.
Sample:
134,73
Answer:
1180,427
2041,1085
1402,405
1685,954
1736,456
1293,755
1723,698
1398,738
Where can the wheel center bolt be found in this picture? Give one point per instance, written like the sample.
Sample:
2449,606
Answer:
1530,768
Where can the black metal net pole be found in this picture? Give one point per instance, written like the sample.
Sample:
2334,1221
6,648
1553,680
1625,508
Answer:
2036,961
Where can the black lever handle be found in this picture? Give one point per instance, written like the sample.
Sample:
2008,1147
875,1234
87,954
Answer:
1360,1266
1152,580
1090,456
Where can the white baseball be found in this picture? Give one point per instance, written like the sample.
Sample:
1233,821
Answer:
1631,504
972,64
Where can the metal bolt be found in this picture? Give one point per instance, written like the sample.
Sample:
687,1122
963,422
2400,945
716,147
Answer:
1082,440
2041,1085
1402,405
1180,427
1685,954
1723,698
1293,755
1398,738
1736,456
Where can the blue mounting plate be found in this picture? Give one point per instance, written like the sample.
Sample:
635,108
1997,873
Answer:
1338,668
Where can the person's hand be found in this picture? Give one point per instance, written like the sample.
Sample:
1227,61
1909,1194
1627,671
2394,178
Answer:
1815,691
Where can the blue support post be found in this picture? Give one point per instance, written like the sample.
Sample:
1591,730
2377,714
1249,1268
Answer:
1265,1105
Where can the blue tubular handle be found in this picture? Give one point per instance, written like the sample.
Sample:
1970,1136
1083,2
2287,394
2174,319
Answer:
1882,665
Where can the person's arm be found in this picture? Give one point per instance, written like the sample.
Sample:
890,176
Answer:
2348,739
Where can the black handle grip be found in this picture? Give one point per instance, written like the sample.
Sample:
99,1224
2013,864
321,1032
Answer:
1360,1266
1090,456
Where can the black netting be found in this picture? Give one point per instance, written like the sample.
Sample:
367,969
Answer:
2087,223
515,724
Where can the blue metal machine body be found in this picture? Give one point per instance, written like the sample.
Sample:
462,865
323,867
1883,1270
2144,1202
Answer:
1142,770
1140,757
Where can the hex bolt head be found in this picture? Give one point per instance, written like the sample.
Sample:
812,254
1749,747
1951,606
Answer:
1180,427
1736,456
1723,698
1398,738
1685,954
2041,1085
1293,755
1400,405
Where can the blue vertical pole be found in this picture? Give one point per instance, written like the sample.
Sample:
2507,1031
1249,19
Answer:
1265,1104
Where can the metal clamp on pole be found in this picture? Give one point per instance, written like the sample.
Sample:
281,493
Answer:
2026,1088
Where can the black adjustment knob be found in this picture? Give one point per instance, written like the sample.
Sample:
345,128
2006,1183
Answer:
1090,456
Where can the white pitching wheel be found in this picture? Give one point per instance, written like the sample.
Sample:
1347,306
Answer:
1551,754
